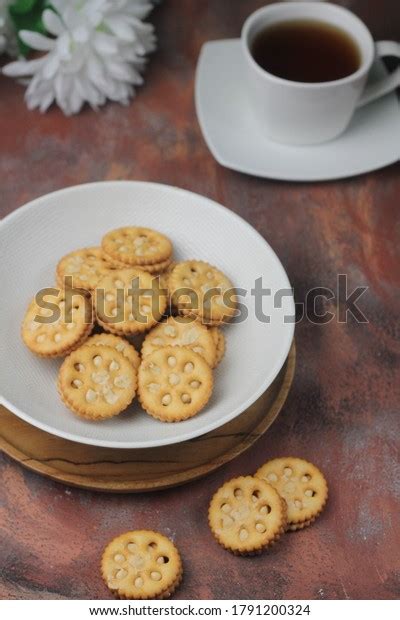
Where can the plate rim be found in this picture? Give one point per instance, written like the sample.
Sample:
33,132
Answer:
242,168
35,203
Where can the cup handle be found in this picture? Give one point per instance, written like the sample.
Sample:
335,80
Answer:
389,82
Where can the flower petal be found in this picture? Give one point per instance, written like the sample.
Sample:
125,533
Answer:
120,28
60,87
22,67
104,43
63,46
46,102
51,65
80,34
75,101
52,22
36,41
95,69
60,5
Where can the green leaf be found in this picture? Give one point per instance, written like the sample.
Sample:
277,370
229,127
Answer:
20,7
27,15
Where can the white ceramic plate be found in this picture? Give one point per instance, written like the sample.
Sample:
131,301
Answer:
236,141
33,238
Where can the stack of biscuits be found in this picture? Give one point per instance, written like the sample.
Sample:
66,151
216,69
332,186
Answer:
130,287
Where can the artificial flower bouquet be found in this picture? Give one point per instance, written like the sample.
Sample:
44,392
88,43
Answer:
76,51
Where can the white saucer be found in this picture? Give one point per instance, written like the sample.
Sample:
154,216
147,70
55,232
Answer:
234,138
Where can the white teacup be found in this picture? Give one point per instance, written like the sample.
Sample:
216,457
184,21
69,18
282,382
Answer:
310,113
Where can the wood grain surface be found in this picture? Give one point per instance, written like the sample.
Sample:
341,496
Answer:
342,412
133,471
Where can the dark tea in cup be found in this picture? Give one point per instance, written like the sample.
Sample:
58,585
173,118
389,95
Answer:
306,50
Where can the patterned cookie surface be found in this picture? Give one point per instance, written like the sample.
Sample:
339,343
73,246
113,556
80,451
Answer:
69,322
246,515
175,383
182,332
85,267
129,301
141,565
302,486
97,382
200,289
118,343
134,245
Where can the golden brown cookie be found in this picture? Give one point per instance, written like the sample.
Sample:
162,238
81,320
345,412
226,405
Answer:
175,383
246,515
199,289
69,321
97,382
219,342
182,332
85,268
141,564
134,245
129,301
301,485
118,343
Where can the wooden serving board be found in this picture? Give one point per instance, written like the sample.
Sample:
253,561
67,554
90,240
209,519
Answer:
130,471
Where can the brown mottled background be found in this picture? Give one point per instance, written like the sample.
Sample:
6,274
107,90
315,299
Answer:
343,410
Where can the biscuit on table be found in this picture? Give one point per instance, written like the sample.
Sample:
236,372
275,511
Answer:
97,382
301,485
184,332
174,383
70,321
129,301
118,343
246,515
199,289
136,246
141,564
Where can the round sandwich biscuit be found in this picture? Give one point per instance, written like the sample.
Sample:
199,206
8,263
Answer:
246,515
199,289
181,332
97,382
175,383
301,485
84,267
129,301
141,564
134,245
58,324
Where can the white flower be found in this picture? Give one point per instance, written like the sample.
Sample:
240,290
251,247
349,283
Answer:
8,39
97,53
